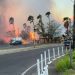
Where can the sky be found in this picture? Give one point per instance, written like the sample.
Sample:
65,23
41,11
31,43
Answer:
21,9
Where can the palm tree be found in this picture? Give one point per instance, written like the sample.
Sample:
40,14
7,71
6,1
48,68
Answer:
66,23
49,26
39,16
41,25
48,15
31,19
11,21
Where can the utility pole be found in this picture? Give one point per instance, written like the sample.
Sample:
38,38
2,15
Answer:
74,26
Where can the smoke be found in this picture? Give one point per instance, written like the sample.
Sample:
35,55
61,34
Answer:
3,7
3,22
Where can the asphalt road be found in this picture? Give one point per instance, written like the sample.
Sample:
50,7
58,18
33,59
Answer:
16,63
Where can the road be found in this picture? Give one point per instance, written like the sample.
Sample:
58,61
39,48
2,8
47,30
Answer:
16,63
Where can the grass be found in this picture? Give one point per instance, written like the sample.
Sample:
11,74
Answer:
69,72
63,65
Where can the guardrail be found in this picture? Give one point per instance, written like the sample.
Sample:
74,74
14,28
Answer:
46,58
42,65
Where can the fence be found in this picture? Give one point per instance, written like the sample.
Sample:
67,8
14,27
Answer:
42,64
46,58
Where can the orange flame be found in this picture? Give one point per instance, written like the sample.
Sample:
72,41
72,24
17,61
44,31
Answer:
34,36
24,42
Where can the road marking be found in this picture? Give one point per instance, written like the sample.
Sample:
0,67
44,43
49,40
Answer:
36,64
28,69
32,67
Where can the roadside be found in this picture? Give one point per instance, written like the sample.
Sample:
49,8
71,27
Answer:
52,70
16,49
62,66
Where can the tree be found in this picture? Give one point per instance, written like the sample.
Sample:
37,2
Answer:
53,30
48,15
67,22
24,25
11,21
24,35
40,25
31,19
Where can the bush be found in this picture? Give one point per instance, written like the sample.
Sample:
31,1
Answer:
62,64
69,72
73,65
73,55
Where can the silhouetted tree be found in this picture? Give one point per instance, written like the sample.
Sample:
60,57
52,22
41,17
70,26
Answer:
24,35
24,25
25,32
31,19
11,21
52,30
48,15
67,21
40,26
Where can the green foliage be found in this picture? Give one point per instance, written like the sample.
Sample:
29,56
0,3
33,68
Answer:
73,65
73,55
62,64
69,72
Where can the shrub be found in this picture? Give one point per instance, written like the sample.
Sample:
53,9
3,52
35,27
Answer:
73,55
62,64
73,65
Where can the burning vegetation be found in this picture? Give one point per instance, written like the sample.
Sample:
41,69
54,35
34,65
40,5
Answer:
27,35
39,30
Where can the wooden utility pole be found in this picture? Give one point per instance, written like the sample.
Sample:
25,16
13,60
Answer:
74,26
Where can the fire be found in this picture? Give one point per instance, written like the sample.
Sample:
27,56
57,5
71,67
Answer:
34,36
17,32
24,42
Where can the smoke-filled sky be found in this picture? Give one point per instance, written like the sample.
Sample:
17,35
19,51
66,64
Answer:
21,9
